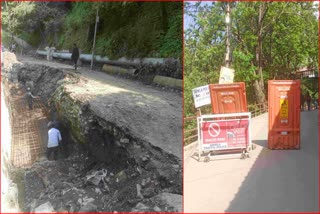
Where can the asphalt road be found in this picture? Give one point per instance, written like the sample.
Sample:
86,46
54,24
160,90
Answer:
269,181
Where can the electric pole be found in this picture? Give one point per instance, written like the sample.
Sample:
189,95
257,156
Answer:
228,58
94,37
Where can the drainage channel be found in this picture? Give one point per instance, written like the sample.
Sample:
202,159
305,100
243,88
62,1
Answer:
107,170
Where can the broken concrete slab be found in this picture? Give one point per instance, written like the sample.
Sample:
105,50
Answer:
173,200
46,207
165,202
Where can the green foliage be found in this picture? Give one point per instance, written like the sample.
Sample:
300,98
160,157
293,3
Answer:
203,52
153,29
61,40
15,15
5,39
102,45
37,19
310,86
32,38
172,42
130,29
75,18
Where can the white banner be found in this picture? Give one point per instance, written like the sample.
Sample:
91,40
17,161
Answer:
201,96
226,75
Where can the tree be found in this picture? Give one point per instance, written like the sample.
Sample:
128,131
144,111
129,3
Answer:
125,29
33,21
274,34
269,40
204,48
153,29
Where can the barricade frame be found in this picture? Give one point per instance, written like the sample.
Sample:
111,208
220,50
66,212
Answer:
217,117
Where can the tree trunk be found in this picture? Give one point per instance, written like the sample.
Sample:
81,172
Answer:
164,16
259,84
259,92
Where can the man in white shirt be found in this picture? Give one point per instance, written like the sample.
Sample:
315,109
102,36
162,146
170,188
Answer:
54,139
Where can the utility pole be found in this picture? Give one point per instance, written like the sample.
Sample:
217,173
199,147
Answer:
227,59
94,37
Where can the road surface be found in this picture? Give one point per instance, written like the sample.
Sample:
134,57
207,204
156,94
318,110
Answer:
269,181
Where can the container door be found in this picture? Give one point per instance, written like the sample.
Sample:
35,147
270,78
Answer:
284,114
228,98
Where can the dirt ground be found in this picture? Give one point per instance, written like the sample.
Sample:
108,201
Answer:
151,113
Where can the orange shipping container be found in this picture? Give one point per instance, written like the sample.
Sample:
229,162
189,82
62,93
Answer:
228,98
284,114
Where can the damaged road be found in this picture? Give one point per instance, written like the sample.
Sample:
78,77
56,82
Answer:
71,185
121,146
152,114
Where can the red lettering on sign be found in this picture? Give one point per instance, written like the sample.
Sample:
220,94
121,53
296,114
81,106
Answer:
225,134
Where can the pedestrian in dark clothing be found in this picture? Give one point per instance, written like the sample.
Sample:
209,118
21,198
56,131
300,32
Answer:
302,101
308,99
75,55
30,98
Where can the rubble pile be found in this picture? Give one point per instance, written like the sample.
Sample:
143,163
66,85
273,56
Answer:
79,184
8,60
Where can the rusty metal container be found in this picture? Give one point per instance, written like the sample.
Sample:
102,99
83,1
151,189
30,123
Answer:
228,98
284,114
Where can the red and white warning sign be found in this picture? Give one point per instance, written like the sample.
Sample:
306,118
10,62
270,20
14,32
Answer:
225,134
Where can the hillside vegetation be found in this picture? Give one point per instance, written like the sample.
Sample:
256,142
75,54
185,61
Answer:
131,29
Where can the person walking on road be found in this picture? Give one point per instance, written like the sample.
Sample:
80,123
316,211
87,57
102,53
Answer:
75,55
302,100
30,98
54,140
308,99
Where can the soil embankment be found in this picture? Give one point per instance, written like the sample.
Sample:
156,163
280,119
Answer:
121,146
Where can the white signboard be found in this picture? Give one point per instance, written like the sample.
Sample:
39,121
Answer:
226,75
201,96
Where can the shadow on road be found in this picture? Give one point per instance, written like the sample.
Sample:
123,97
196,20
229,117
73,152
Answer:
262,143
283,180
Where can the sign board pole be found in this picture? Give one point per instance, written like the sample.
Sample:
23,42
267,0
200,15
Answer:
199,131
198,112
199,121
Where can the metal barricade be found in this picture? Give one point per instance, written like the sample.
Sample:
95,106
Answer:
224,134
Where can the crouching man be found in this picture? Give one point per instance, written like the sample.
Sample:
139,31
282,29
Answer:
54,139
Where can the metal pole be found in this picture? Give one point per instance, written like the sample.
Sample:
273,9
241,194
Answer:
94,38
227,59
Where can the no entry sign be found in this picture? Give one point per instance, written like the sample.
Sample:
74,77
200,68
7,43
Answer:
225,134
